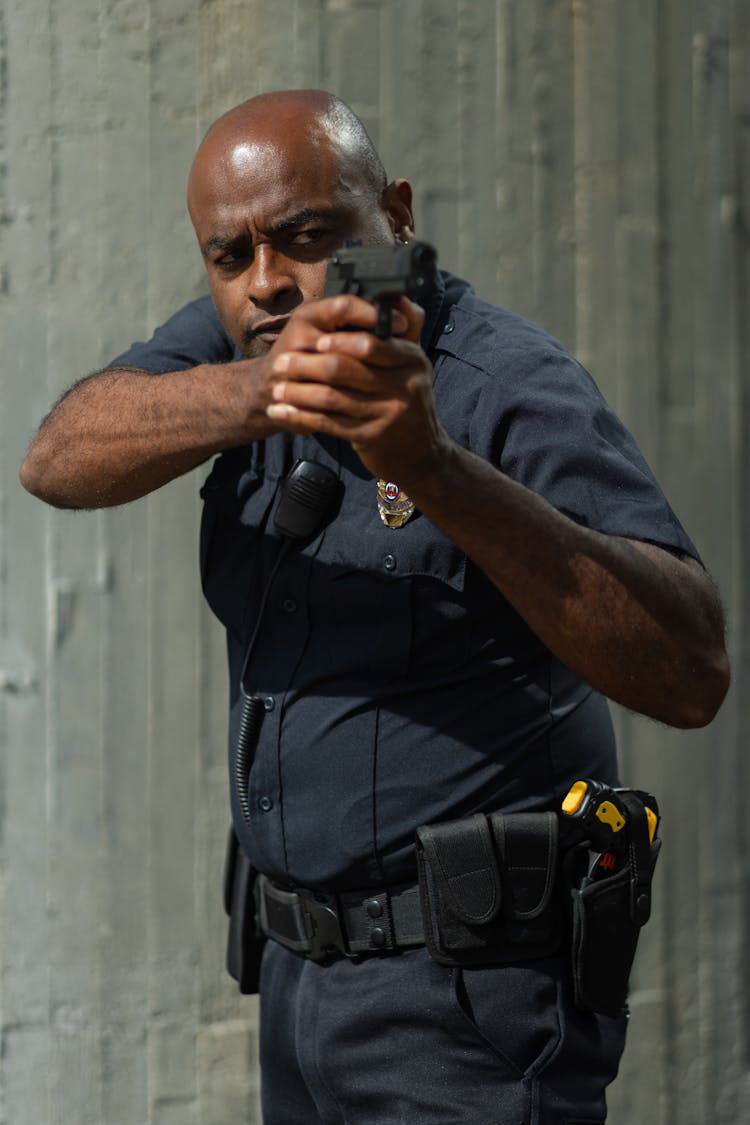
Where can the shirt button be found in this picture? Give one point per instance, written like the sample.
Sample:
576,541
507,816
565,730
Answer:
450,326
269,702
265,804
289,605
389,562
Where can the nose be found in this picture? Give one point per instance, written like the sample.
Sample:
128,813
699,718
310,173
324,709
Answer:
270,276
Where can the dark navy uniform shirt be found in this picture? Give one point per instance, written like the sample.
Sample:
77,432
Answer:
400,686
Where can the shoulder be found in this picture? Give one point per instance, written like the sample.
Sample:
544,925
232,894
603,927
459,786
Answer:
530,408
192,335
504,363
198,320
495,340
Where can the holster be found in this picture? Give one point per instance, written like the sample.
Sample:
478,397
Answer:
489,888
244,941
503,888
608,915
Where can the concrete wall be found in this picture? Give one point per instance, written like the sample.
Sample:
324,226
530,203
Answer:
586,162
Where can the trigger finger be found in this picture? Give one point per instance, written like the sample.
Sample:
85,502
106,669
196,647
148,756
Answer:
411,316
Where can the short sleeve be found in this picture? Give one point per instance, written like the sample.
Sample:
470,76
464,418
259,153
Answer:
538,415
193,335
542,420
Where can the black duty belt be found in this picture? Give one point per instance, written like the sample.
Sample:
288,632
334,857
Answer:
351,923
493,889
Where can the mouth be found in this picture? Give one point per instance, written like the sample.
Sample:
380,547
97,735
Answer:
268,330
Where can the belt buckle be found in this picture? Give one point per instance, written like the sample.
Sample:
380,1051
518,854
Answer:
302,920
323,926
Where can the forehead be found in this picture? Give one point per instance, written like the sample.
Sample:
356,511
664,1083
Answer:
260,178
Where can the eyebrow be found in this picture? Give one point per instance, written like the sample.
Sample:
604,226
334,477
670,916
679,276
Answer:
301,218
222,241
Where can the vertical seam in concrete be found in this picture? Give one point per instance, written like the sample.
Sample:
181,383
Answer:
49,689
149,702
103,584
3,540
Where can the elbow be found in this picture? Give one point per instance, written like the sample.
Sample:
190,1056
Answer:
41,484
708,689
29,477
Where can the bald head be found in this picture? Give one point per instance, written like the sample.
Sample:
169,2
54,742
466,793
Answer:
310,120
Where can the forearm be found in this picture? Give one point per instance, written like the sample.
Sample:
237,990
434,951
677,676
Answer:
640,625
124,432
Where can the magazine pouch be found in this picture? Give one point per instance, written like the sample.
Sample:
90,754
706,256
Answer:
489,888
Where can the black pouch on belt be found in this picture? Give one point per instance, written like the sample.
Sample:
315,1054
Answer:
244,941
608,914
489,888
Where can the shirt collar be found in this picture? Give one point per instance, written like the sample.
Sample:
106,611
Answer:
440,293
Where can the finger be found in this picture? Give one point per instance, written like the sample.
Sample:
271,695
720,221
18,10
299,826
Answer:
413,319
298,421
342,370
369,349
343,311
313,367
308,321
322,400
347,311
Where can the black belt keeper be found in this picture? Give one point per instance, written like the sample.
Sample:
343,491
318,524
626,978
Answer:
350,924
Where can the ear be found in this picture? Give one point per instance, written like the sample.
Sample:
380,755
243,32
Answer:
397,206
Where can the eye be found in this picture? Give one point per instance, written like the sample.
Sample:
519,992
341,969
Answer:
309,236
228,261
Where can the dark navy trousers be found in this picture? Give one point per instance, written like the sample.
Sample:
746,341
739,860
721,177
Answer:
401,1040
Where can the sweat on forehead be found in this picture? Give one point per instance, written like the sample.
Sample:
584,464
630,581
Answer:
295,121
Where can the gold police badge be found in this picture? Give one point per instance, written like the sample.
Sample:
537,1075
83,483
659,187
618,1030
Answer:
394,506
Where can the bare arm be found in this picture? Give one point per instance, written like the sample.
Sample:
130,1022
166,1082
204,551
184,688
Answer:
637,623
123,432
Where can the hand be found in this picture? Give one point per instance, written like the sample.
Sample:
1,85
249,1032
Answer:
375,394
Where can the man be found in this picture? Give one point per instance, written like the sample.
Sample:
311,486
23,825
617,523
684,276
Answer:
411,675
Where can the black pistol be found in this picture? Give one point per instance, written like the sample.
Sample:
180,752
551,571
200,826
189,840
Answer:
381,274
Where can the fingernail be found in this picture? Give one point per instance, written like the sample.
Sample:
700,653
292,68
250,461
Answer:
278,392
323,344
280,410
281,363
